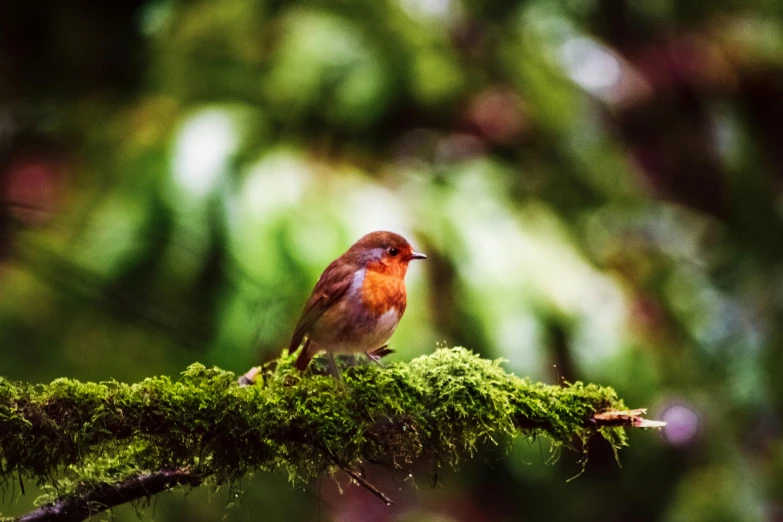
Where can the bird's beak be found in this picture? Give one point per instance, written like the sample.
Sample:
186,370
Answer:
417,255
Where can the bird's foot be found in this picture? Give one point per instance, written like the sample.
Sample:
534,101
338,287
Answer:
376,355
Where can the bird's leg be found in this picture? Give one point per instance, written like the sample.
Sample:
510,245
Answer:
334,367
375,359
375,355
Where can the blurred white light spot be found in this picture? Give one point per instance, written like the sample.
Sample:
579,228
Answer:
203,147
368,207
682,424
426,9
591,65
275,184
518,337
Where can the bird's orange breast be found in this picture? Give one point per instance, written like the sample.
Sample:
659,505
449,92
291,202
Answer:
381,292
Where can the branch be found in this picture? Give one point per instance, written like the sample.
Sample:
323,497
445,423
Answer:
80,506
102,444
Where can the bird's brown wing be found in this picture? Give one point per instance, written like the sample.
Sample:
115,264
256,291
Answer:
332,285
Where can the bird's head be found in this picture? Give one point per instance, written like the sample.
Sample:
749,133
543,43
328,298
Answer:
384,252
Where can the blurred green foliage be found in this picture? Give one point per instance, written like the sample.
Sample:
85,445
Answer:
597,184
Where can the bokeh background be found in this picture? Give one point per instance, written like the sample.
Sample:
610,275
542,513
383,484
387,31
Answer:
598,184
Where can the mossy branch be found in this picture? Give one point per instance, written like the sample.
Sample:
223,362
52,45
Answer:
87,441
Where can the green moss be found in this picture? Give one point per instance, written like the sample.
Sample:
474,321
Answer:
70,435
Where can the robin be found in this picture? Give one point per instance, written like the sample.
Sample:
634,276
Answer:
357,302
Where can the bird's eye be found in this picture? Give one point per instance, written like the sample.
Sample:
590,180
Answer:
393,251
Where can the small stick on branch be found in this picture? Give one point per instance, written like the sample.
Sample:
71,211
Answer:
250,377
631,418
358,478
77,507
369,487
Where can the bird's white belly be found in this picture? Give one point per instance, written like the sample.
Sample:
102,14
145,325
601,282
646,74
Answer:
365,336
384,328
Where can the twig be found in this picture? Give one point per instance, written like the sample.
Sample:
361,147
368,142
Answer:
81,506
359,479
631,418
369,487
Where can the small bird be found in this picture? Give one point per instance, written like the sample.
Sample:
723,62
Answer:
358,300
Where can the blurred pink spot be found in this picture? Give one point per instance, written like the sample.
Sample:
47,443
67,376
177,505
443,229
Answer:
682,424
498,113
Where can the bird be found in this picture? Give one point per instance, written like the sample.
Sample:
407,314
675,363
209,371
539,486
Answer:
357,302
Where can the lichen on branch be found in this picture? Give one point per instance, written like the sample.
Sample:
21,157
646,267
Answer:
78,436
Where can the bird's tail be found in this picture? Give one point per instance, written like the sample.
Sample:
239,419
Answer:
305,354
